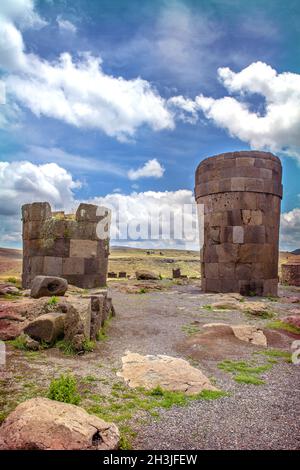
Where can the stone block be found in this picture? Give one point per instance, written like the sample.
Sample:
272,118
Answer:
255,234
214,234
226,270
83,248
211,270
52,266
238,234
73,266
229,285
234,217
244,271
238,184
36,211
226,234
212,285
88,281
251,287
91,265
217,219
252,217
210,254
227,252
270,287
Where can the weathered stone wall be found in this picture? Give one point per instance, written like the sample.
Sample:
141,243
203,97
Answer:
241,193
290,272
64,245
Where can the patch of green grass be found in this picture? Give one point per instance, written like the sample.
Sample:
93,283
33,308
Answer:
32,354
66,347
274,353
124,404
19,343
190,329
12,280
245,372
264,314
207,307
53,300
88,345
64,389
143,291
102,333
242,366
89,379
249,379
280,325
211,394
14,296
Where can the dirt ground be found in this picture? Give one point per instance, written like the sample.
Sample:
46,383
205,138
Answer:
170,321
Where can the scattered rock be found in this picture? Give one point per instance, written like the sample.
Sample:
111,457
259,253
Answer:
171,373
43,424
31,343
8,289
143,275
48,286
48,327
248,333
11,323
74,329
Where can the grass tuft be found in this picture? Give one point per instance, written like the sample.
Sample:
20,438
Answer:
64,389
280,325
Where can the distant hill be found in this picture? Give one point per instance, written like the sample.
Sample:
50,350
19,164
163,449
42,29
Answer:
296,252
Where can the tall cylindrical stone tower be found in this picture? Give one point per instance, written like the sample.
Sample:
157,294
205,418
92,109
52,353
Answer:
241,193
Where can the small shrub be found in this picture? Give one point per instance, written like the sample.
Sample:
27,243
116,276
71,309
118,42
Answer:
88,345
12,280
142,291
66,347
64,389
52,301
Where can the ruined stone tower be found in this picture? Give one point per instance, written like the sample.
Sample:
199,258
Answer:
241,193
65,245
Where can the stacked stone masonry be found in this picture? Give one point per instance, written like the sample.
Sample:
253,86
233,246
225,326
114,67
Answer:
241,193
67,246
290,272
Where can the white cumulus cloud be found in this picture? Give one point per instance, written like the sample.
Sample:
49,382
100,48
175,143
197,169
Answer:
22,182
151,169
290,230
75,90
66,25
275,127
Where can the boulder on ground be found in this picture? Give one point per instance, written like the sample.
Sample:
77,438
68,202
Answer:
48,327
143,275
250,334
11,323
43,424
171,373
48,286
8,289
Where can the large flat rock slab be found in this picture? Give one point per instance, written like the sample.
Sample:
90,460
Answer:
170,373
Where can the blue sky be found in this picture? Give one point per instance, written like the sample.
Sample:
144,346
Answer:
96,127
